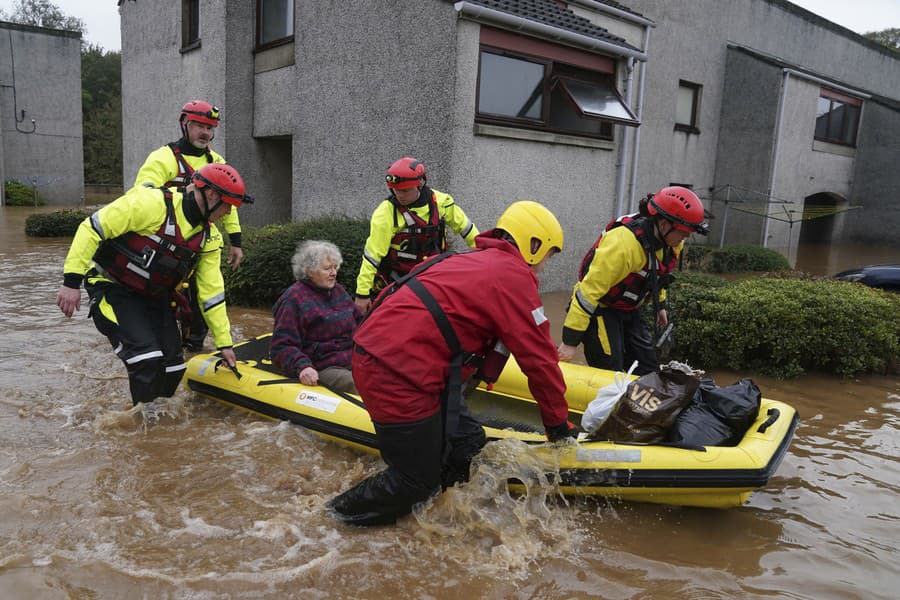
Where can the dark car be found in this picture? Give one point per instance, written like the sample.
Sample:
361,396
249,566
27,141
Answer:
886,277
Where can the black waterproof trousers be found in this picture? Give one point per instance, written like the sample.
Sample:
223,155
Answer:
144,335
419,465
193,333
629,340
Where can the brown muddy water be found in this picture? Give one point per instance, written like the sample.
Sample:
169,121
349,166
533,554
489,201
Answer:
190,499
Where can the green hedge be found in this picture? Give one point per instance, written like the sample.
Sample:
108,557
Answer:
266,269
60,223
17,193
733,259
784,327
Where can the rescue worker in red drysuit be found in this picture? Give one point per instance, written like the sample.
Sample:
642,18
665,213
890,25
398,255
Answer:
407,227
133,255
445,316
631,262
172,166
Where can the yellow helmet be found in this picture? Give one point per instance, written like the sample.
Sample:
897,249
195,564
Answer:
534,229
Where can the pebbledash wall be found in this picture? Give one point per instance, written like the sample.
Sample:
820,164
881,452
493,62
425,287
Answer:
40,111
313,124
753,59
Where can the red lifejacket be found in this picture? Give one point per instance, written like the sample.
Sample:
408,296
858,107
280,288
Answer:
418,240
634,289
183,176
152,265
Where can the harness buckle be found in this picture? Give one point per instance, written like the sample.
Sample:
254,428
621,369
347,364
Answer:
147,257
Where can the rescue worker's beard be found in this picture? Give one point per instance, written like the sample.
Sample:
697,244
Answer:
200,145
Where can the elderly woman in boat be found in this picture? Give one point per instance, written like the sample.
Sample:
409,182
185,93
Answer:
314,320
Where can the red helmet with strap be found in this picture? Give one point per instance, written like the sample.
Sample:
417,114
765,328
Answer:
200,111
681,206
224,179
405,173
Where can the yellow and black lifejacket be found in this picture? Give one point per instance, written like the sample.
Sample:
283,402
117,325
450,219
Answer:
417,240
636,287
152,265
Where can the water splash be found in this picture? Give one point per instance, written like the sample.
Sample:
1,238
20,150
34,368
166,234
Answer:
510,531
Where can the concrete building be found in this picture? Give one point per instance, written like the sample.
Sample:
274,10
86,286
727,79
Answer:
585,106
40,111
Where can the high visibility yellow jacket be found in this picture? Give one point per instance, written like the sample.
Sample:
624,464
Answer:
161,167
386,223
618,255
143,211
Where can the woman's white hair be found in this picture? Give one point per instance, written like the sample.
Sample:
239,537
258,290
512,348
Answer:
310,254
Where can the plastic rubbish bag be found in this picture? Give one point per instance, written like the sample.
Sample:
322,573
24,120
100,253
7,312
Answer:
717,416
650,405
599,408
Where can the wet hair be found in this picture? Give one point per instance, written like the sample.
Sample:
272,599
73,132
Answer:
310,254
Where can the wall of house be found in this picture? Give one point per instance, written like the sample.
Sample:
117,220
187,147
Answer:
750,162
876,177
40,74
366,96
749,108
803,167
690,42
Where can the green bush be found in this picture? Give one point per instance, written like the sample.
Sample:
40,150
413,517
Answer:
694,256
20,194
266,269
784,327
60,223
737,259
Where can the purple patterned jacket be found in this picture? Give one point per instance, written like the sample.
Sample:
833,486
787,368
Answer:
313,327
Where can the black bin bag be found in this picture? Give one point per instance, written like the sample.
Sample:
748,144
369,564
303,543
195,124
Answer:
650,404
717,416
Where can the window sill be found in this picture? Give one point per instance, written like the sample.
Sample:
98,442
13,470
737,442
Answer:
192,46
689,129
830,148
540,136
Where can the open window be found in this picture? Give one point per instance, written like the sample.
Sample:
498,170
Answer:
274,22
837,118
599,101
528,83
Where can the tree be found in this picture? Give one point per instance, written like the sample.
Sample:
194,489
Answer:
886,37
101,107
43,13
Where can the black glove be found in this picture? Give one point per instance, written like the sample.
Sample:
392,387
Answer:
562,431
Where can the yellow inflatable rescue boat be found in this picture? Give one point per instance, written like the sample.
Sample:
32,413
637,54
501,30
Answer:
713,476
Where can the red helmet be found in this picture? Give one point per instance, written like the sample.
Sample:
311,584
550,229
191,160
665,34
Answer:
200,111
681,206
405,173
224,179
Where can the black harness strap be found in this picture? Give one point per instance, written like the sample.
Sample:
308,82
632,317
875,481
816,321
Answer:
454,384
452,396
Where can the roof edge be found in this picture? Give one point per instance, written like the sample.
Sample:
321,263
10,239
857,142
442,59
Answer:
483,14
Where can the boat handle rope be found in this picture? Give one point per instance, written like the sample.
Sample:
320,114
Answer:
221,363
773,414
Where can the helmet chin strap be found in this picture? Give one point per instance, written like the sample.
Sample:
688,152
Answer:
207,212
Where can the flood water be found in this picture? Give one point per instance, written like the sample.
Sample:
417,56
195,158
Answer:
195,500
